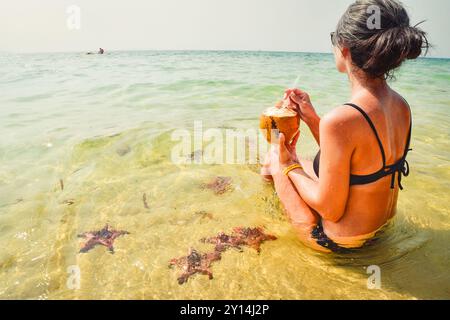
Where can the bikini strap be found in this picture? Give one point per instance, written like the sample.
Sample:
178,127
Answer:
373,129
408,141
403,165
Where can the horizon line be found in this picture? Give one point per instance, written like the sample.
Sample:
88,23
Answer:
195,50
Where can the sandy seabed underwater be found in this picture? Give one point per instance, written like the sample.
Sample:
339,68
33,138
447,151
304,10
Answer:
103,124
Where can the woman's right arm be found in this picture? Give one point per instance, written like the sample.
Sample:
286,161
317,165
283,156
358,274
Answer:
306,110
314,125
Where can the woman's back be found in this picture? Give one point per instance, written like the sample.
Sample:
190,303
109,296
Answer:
370,206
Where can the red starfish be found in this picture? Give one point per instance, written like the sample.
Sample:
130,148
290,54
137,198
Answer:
241,236
224,241
104,237
195,262
253,237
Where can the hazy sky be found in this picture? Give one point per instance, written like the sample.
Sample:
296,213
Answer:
278,25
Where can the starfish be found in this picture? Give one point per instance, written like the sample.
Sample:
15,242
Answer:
219,185
195,262
104,237
224,241
253,237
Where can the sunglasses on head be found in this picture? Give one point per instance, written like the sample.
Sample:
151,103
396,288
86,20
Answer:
333,38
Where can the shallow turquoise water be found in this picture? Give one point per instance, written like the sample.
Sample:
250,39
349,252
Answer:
102,124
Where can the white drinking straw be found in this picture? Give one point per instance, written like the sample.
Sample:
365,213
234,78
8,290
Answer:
295,84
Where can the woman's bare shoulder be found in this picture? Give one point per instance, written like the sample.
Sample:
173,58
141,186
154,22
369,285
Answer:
343,123
341,115
401,102
401,110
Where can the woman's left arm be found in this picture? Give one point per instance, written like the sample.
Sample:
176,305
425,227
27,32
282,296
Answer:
329,195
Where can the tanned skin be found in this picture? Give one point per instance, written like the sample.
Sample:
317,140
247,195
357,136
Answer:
348,146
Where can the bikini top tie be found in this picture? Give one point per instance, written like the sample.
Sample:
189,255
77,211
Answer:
401,168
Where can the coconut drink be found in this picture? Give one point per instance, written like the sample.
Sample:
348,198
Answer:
279,119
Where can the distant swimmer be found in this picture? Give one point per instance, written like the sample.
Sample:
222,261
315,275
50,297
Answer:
100,51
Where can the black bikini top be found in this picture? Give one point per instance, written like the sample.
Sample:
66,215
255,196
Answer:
401,167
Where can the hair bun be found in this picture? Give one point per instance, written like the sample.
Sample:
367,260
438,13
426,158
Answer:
379,52
417,41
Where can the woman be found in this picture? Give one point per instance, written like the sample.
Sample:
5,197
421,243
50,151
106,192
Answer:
349,192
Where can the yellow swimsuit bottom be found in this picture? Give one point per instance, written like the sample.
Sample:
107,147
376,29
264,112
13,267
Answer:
340,243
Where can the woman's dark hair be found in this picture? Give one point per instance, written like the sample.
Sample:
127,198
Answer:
379,48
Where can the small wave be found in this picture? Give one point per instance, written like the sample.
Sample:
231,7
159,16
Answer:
105,89
35,97
207,84
137,87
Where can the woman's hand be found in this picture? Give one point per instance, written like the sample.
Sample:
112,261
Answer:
302,102
302,105
288,151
